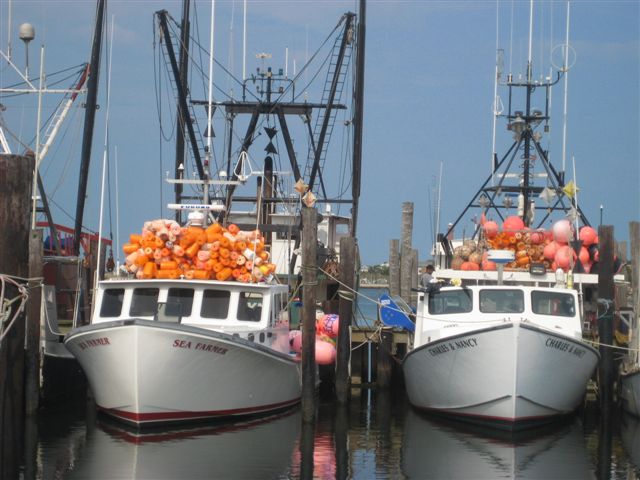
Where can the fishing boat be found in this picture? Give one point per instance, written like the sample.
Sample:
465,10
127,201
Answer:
501,338
198,328
162,350
511,355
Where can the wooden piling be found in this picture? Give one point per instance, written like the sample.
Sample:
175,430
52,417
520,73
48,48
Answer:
32,343
16,178
605,316
385,359
309,282
405,251
347,278
394,267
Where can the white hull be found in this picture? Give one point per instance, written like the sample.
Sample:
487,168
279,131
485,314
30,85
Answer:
630,391
511,374
145,372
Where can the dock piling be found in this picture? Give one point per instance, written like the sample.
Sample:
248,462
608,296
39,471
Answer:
309,282
347,277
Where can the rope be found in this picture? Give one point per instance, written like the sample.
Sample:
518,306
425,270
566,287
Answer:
5,305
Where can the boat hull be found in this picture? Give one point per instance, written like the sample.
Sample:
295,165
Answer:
510,375
146,372
630,392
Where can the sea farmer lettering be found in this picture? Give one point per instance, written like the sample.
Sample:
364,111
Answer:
94,342
205,347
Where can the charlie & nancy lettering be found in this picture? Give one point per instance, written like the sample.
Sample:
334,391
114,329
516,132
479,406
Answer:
453,345
564,347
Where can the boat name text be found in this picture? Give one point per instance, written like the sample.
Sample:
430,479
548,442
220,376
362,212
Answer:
564,347
205,347
94,342
452,346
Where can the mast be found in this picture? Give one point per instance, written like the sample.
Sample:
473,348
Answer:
89,121
358,116
180,114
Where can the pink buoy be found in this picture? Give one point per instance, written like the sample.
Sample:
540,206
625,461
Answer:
295,340
562,231
328,325
512,224
584,256
564,255
488,265
588,235
550,250
537,237
490,229
325,353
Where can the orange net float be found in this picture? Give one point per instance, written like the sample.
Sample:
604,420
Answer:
217,267
157,254
224,243
168,274
233,229
178,251
240,246
141,259
208,265
224,274
224,252
522,261
149,270
168,265
201,274
236,272
135,238
192,250
128,248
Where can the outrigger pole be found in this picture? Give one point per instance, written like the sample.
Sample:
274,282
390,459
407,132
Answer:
89,121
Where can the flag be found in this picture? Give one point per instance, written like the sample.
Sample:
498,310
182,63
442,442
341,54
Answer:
570,189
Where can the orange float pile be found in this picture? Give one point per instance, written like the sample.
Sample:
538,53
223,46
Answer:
165,250
549,247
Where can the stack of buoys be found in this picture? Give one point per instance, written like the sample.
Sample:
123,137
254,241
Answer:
326,334
550,247
165,250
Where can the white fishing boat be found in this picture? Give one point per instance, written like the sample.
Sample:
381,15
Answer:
511,355
506,345
161,351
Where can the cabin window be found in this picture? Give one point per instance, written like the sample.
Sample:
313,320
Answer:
502,301
450,301
144,302
553,303
112,299
179,301
215,304
250,306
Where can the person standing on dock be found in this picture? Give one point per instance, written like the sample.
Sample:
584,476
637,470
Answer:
426,277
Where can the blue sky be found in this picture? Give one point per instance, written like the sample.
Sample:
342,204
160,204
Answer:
428,95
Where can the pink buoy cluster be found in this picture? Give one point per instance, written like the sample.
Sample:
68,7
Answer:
549,247
326,334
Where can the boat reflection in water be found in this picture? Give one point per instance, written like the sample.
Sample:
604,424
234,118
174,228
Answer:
255,448
630,434
434,448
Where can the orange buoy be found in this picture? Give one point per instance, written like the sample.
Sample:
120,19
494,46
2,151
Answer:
588,235
130,247
224,274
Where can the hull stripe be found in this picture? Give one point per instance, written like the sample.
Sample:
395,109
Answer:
186,415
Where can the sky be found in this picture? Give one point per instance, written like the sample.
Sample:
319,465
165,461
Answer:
429,83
